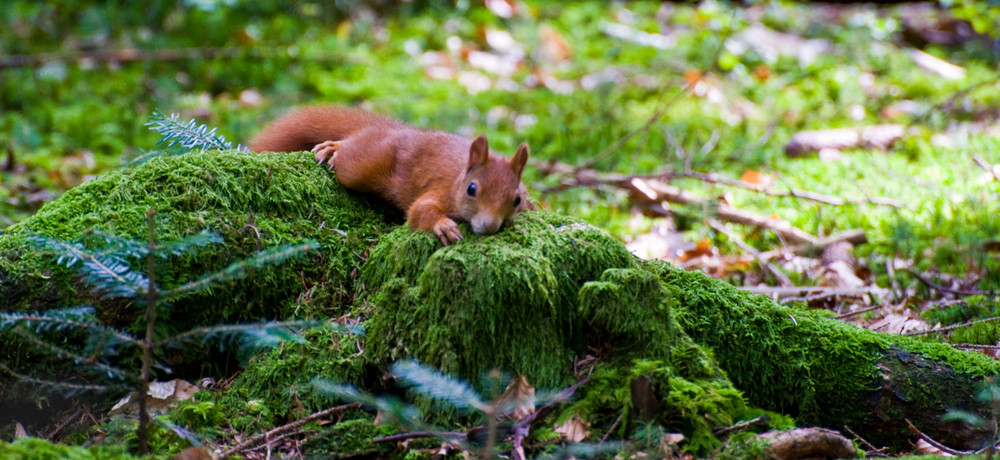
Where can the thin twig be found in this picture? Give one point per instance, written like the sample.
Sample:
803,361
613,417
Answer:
953,326
783,292
940,288
742,425
973,346
287,427
871,448
783,279
613,426
849,314
983,164
419,434
934,443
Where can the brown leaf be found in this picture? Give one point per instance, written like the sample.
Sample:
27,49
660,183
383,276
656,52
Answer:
160,397
926,448
757,178
518,399
574,429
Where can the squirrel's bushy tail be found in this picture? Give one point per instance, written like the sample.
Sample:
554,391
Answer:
303,128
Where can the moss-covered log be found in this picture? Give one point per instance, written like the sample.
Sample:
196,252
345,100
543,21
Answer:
829,373
528,300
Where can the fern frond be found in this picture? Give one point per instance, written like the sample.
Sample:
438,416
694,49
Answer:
108,274
71,388
249,335
431,383
69,355
188,244
238,269
117,246
189,135
80,318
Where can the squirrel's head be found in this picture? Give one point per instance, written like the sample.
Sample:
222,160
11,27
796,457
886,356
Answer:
490,191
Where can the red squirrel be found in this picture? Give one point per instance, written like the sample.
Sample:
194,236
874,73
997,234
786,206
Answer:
434,176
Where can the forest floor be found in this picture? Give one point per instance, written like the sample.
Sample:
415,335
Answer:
843,157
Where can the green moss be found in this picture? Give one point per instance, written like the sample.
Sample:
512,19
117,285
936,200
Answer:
276,385
351,438
528,300
692,407
507,300
252,201
801,363
40,449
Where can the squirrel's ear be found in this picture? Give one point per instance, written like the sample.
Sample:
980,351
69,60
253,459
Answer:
479,154
519,159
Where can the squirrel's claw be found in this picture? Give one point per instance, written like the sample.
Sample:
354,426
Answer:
326,152
447,231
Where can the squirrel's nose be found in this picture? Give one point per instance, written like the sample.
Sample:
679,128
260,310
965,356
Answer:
484,225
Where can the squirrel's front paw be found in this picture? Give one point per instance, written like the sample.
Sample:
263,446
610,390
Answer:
447,231
326,152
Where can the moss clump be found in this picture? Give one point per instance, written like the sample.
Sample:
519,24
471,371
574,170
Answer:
40,449
252,201
531,298
507,300
276,385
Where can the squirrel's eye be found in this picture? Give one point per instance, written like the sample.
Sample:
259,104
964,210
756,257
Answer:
517,201
472,189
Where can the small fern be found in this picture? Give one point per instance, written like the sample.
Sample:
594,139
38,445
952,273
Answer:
108,269
190,134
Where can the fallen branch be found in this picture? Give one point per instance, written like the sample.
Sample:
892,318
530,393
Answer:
783,292
268,435
653,192
880,136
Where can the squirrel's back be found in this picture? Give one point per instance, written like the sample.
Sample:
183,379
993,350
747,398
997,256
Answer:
305,127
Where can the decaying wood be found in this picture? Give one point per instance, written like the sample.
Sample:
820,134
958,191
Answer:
879,136
808,443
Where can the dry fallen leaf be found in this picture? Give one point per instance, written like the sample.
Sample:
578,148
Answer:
518,399
757,178
160,397
926,448
895,323
574,429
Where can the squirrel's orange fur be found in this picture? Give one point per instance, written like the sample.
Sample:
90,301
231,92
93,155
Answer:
436,177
